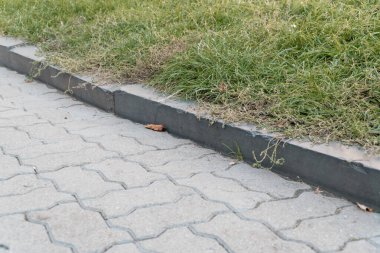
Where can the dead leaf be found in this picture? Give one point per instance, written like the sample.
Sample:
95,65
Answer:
154,127
364,208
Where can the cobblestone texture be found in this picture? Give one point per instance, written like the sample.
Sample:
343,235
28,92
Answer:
76,179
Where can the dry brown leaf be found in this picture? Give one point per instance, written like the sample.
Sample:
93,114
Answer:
154,127
364,208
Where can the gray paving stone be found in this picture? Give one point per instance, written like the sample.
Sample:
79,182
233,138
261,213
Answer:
247,236
85,184
125,248
263,180
225,190
12,139
122,145
16,113
10,167
360,246
20,236
50,162
376,240
62,115
99,130
182,240
22,184
47,132
78,125
130,173
12,92
182,169
151,221
36,199
20,121
119,203
161,140
86,230
307,205
160,157
333,231
62,147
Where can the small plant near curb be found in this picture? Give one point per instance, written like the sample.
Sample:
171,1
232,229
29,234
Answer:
269,155
235,152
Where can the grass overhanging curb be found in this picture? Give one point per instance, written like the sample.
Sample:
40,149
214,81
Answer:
306,68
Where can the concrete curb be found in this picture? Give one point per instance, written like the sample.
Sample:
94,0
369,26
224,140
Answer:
343,170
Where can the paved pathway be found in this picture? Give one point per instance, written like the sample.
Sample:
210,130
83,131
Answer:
76,179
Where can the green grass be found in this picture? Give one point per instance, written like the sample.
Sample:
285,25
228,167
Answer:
306,68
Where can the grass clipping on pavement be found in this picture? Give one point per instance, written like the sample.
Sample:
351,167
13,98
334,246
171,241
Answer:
307,68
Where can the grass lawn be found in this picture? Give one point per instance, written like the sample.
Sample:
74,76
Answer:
309,68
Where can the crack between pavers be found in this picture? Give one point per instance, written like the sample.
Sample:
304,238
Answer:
39,209
222,243
50,235
237,213
68,165
279,233
73,194
54,153
136,208
69,106
345,244
298,222
77,200
123,184
240,184
24,193
174,160
179,225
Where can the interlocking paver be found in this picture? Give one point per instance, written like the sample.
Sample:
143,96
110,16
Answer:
36,199
50,162
179,169
248,236
130,173
263,180
22,184
330,233
85,229
185,242
162,140
19,236
307,205
122,202
122,145
47,132
61,147
125,248
20,121
151,221
359,246
76,179
160,157
11,138
225,190
11,167
85,184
